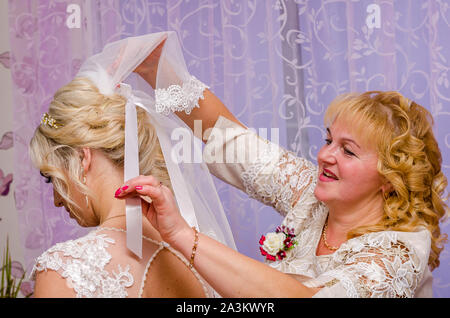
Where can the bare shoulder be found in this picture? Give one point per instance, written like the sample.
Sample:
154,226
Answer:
50,284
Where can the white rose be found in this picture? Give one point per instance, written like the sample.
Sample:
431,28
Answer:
274,242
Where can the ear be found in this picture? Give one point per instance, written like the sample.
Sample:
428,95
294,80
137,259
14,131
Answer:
86,159
387,187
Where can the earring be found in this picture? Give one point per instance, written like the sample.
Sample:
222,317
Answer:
387,195
85,196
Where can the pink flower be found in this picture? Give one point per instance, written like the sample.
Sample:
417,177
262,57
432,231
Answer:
7,140
23,76
26,288
25,26
5,59
17,269
5,182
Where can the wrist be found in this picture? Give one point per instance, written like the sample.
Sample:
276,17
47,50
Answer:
183,241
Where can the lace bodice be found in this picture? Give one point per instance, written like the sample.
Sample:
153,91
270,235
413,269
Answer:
95,265
382,264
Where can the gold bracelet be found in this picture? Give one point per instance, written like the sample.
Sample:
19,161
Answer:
194,248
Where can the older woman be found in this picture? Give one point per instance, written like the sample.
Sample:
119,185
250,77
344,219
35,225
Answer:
363,223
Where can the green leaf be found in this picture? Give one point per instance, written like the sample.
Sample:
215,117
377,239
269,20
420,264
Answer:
9,287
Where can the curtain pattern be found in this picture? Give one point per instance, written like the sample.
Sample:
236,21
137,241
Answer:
273,63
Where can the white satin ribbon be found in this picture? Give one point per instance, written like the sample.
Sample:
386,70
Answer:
131,170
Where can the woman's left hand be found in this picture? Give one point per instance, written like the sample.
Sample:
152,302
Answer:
162,212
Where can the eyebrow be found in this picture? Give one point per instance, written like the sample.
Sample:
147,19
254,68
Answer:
345,139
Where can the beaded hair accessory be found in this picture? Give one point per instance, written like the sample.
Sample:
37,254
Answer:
49,121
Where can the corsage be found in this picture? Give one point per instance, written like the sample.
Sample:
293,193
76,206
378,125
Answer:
275,245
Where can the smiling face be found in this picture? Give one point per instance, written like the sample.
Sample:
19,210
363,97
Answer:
348,175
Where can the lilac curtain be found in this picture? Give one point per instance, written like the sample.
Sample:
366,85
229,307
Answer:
275,64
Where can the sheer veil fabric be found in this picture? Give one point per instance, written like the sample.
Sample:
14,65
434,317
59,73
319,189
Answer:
176,90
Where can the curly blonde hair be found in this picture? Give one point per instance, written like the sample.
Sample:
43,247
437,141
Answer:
90,119
408,158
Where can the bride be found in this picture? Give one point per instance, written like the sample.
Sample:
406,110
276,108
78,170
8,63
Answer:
97,133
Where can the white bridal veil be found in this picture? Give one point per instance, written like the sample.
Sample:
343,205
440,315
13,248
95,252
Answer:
176,90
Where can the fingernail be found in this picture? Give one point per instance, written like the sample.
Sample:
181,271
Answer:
124,188
138,187
118,192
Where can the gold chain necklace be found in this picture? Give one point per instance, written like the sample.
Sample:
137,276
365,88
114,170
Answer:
324,236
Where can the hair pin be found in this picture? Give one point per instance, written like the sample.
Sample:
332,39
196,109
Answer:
49,121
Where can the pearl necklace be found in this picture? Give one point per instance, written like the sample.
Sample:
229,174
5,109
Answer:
324,236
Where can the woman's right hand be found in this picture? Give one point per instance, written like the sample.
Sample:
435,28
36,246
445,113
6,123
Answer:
149,67
162,212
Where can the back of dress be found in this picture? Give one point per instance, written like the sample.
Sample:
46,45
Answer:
99,265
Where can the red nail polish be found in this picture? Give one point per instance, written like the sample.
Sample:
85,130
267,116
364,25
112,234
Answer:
138,187
117,192
124,188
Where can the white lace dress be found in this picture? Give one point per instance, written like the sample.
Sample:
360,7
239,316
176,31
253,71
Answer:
98,265
382,264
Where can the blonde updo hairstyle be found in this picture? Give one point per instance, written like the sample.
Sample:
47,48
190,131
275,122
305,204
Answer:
408,157
90,119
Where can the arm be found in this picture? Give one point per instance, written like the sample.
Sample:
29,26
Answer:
50,284
210,108
227,271
265,171
235,275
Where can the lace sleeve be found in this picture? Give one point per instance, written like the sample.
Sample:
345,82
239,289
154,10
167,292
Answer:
281,181
82,264
262,169
375,272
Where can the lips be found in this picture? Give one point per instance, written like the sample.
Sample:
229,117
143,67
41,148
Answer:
329,175
68,211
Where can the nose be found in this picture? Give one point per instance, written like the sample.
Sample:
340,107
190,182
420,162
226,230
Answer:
57,199
328,154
